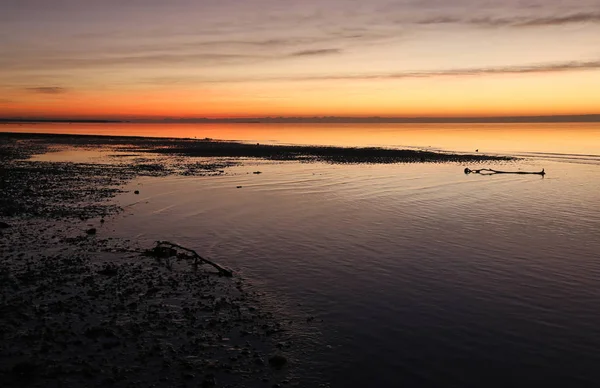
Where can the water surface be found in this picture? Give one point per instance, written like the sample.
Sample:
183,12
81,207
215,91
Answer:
423,276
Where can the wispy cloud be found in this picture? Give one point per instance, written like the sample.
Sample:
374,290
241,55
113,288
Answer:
47,90
242,47
185,55
466,72
319,52
250,44
516,21
480,71
79,61
559,20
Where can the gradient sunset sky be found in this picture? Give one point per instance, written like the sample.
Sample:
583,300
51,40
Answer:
232,58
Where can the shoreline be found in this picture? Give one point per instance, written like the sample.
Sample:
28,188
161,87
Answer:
80,307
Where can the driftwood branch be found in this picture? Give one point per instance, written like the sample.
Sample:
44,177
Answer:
489,171
197,258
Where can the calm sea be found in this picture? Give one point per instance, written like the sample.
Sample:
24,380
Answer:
417,275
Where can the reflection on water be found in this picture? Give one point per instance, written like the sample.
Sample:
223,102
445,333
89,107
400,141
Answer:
573,138
67,154
422,275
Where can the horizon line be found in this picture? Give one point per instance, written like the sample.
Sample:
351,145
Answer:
593,117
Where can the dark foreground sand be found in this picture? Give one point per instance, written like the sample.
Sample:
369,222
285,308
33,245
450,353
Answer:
78,308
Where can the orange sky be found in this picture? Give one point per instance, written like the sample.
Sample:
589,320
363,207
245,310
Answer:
427,59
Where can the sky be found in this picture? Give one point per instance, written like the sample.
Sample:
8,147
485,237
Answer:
233,58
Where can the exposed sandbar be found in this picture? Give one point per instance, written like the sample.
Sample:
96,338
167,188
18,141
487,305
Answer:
217,148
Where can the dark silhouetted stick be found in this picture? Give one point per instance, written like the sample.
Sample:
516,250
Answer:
197,257
489,171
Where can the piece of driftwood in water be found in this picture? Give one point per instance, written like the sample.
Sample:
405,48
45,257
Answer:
197,258
489,171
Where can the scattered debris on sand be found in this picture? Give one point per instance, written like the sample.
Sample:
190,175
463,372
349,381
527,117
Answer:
81,308
166,249
80,311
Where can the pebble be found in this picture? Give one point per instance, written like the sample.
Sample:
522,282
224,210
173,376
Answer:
209,381
277,361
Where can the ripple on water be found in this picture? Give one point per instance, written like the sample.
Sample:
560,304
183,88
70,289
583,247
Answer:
422,275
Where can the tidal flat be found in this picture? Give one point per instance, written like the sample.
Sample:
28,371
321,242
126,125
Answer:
80,309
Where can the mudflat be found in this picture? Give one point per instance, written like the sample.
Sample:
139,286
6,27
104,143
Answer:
78,308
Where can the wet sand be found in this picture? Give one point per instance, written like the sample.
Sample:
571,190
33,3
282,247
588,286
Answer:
79,308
